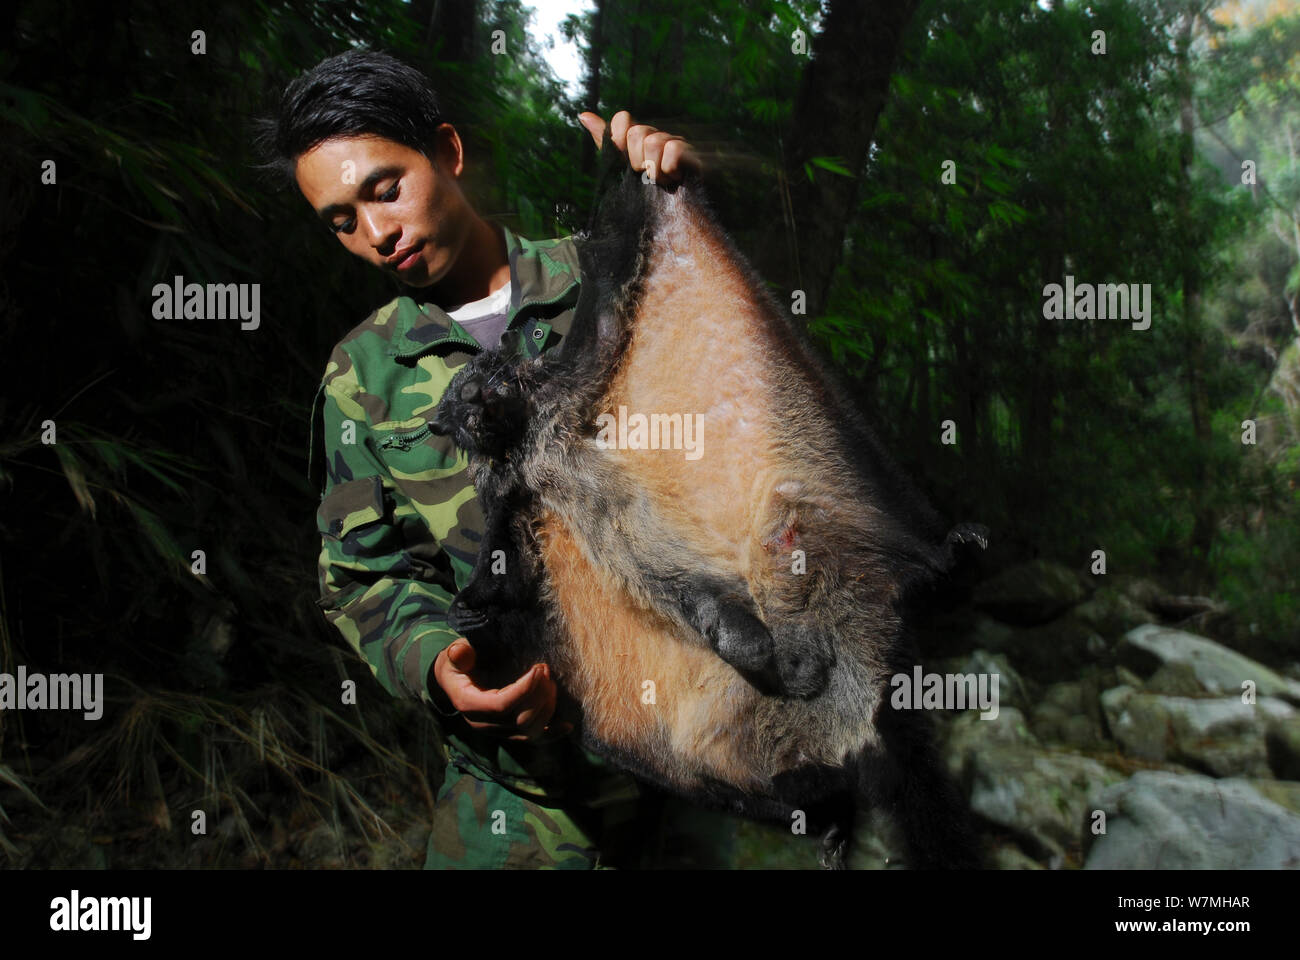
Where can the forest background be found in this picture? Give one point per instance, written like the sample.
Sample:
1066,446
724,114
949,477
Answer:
1165,156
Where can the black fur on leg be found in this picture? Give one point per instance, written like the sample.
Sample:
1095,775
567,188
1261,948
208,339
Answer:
905,777
839,811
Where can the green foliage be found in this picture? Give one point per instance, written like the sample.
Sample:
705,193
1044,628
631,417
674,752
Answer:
1079,432
172,436
184,436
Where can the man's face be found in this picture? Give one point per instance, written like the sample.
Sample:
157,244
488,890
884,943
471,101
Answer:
388,204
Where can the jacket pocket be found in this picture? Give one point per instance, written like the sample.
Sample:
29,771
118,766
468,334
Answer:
403,440
413,451
350,505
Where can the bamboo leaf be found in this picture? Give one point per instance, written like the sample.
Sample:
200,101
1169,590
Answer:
72,469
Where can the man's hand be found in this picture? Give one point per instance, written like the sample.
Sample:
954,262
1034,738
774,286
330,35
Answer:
520,711
665,157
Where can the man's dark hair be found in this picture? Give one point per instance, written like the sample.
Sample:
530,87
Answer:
358,92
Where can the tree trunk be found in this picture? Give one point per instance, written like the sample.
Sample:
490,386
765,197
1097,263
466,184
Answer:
591,97
1203,523
842,93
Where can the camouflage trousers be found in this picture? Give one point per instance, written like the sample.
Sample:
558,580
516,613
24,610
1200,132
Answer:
483,825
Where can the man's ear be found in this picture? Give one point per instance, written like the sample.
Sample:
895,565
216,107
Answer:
448,154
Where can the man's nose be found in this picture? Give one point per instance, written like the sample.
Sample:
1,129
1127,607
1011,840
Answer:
380,233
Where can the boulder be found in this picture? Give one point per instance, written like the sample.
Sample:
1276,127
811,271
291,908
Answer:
1218,669
1166,821
1031,593
1147,594
1218,735
1282,744
968,734
1039,796
1049,652
1285,793
1012,689
1068,714
1111,612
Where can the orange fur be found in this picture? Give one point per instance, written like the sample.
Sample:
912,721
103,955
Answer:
746,489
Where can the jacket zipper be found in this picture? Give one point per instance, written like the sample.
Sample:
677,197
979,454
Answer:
404,441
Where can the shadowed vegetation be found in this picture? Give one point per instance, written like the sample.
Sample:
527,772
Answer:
175,436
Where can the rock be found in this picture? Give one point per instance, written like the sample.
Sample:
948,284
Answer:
1031,593
1012,689
989,634
1219,735
1284,793
1053,651
1218,669
1166,821
1282,744
1111,612
1136,725
1183,608
1127,678
1007,856
1147,594
1067,714
1175,680
969,734
1040,796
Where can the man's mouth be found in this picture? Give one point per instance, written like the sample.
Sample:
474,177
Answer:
406,258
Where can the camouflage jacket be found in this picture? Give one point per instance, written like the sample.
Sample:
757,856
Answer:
400,523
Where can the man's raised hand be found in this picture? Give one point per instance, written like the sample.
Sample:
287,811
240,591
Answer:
667,158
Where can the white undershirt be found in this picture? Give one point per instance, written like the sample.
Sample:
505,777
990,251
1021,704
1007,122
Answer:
485,320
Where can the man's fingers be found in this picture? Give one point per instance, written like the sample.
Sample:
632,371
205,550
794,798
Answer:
646,148
534,719
545,733
618,127
636,138
595,126
538,699
493,728
461,656
469,698
678,158
530,691
654,151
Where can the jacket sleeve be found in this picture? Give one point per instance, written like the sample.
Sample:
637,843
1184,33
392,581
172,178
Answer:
371,589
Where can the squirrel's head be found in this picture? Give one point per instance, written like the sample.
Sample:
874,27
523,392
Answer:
484,409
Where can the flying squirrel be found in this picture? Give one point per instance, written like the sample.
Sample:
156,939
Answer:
725,626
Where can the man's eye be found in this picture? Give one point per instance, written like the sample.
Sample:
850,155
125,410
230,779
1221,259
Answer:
389,195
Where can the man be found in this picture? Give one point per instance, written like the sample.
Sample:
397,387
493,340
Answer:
364,138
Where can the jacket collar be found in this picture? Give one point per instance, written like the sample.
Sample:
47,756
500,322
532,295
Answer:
420,326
